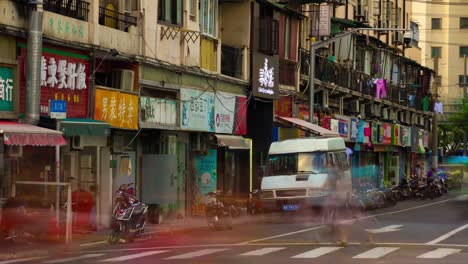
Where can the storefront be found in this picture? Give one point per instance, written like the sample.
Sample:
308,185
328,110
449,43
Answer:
118,161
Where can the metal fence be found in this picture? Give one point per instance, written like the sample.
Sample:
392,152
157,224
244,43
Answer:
110,18
78,9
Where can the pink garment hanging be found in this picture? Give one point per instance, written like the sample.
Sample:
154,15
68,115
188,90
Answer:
381,91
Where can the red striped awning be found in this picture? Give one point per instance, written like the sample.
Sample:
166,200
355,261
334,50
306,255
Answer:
28,135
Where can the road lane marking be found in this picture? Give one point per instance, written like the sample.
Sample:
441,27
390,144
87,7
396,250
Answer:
198,253
134,256
377,252
342,222
315,253
262,251
20,260
390,228
439,253
86,256
445,236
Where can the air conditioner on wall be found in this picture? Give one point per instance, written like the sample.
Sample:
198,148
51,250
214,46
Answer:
122,79
385,113
15,151
363,111
408,117
77,142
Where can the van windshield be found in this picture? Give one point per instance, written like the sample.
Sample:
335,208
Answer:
293,163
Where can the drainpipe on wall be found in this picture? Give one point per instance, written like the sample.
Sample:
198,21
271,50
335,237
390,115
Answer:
33,64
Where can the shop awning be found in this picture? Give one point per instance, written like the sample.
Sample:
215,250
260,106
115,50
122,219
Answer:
304,125
84,127
27,135
232,142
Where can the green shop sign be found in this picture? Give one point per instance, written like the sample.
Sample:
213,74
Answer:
6,89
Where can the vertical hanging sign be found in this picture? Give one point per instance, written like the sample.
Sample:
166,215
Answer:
324,22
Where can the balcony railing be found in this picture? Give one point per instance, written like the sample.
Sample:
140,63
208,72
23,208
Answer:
287,72
110,18
231,61
78,9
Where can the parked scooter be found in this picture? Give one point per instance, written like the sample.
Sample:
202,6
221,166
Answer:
219,215
129,216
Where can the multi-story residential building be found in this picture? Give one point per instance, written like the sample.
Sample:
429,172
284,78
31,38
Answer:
175,94
443,27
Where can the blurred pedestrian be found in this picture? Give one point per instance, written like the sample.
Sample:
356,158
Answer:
82,204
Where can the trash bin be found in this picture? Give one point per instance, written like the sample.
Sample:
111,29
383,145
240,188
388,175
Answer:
154,212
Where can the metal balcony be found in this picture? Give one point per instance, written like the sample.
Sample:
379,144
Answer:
110,18
78,9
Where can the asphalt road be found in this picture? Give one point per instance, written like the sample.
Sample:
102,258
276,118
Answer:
411,232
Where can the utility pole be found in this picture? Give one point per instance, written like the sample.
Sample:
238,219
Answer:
465,80
435,125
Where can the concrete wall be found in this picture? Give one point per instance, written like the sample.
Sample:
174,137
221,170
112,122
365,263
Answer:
11,14
235,24
126,42
65,28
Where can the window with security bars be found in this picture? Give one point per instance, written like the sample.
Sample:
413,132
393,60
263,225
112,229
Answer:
170,11
463,22
462,81
269,35
436,52
463,51
436,23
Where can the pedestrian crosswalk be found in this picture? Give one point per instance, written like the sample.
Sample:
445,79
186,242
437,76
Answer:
252,251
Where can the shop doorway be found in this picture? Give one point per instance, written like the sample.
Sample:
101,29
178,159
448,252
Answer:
160,175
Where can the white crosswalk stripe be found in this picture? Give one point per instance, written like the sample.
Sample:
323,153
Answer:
20,260
198,253
134,256
86,256
377,252
318,252
439,253
262,251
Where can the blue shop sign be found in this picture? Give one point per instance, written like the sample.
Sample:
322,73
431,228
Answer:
58,109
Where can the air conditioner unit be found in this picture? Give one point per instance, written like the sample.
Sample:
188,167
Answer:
398,38
77,142
401,117
422,121
408,117
385,113
393,115
15,151
325,99
122,79
377,110
363,111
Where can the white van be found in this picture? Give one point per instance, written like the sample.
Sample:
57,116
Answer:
297,172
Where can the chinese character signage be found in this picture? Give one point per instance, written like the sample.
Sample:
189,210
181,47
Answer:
325,22
120,110
58,109
343,126
230,114
197,110
206,180
387,134
158,111
6,89
396,135
64,76
354,131
265,76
